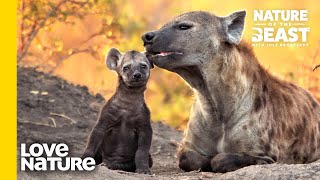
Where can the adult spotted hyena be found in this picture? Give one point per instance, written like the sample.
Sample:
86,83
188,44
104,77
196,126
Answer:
242,115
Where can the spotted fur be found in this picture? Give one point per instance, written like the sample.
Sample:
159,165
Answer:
242,114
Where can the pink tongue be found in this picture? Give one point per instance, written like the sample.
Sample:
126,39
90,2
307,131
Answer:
164,53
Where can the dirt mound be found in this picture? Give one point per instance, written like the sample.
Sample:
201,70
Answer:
52,110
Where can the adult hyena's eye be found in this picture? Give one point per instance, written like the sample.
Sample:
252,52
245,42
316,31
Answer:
184,26
125,68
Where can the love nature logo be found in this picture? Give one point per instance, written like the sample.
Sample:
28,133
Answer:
44,157
278,28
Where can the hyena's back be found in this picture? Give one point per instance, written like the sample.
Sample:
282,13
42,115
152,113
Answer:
290,120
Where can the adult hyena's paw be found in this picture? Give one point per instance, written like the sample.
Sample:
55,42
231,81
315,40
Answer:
190,160
226,162
143,171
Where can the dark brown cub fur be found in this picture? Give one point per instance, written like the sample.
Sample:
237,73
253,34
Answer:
122,136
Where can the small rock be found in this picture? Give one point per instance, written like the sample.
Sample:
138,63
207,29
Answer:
34,92
44,93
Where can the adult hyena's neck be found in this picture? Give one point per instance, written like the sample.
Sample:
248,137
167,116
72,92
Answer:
241,80
239,70
224,85
196,79
193,76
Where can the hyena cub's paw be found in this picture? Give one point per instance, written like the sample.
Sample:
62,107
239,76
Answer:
143,171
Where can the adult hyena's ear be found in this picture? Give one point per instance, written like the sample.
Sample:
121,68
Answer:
233,26
112,59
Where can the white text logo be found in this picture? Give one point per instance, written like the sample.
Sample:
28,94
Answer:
44,157
280,28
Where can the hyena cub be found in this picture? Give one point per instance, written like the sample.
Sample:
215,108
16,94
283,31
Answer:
122,136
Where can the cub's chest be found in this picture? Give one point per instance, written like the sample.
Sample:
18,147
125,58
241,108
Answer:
123,129
128,120
132,118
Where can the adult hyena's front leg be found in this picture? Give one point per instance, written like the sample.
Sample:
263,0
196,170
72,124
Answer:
226,162
190,160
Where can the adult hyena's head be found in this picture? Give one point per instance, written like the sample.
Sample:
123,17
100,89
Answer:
193,38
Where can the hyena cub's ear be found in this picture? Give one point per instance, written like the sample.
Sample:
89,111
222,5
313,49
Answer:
233,26
112,58
150,61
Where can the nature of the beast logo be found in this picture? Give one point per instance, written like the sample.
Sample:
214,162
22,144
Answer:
278,28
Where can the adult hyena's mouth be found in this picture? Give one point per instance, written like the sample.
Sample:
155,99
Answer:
166,53
163,54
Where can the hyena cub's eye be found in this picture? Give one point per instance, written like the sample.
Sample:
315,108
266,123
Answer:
184,26
143,66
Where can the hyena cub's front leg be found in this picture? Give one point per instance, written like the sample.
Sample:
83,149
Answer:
143,160
226,162
95,140
190,160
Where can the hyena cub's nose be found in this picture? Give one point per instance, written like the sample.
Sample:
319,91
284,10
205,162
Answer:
148,37
137,75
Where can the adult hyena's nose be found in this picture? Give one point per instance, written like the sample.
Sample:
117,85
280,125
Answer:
148,38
